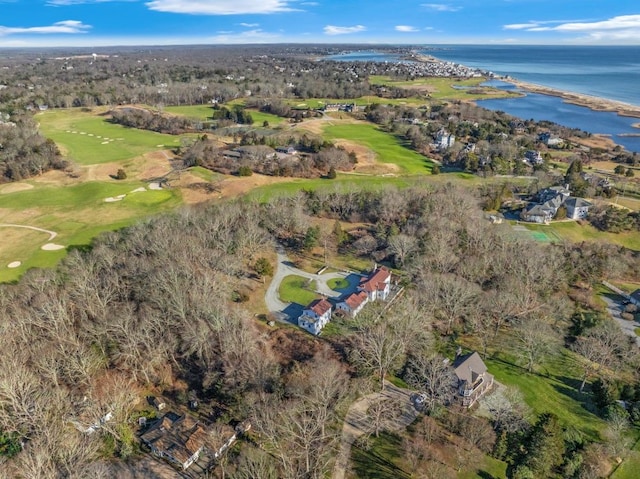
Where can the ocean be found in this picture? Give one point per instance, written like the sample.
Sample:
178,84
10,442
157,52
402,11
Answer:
611,72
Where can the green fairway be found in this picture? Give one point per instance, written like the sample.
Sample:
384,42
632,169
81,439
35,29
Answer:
88,139
76,213
260,117
293,289
198,112
387,147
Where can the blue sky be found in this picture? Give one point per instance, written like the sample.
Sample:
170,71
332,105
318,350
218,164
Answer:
162,22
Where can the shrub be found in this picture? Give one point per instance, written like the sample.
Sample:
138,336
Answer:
121,174
245,171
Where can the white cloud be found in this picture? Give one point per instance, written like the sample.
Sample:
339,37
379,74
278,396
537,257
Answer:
406,28
310,4
441,7
220,7
66,26
621,28
249,25
333,30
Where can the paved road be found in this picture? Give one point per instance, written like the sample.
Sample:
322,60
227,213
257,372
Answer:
614,308
285,268
357,424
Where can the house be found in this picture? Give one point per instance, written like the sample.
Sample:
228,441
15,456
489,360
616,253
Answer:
444,139
178,439
577,208
91,428
549,200
316,316
157,402
550,140
353,303
533,157
377,285
517,127
287,150
473,378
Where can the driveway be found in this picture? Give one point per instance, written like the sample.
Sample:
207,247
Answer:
615,308
284,311
357,424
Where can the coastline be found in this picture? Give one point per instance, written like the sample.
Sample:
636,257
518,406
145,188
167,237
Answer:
580,99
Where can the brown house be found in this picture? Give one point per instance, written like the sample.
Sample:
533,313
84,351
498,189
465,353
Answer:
178,439
473,378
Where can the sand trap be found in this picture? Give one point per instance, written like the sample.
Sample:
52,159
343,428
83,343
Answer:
120,196
155,186
51,247
120,139
112,199
67,131
83,132
139,190
74,132
14,264
106,138
159,146
90,134
105,142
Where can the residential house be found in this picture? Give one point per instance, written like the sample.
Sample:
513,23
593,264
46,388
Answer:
287,150
577,208
178,439
377,285
316,316
444,139
533,157
473,378
550,140
517,127
545,209
82,426
353,303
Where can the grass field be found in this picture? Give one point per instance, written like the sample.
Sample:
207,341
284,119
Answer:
387,147
293,289
315,103
88,139
443,88
554,390
576,233
205,112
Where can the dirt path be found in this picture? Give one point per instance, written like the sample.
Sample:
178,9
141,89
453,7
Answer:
356,423
52,234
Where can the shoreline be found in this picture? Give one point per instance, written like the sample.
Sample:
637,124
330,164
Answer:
592,102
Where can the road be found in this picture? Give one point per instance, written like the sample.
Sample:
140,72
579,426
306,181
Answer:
285,268
614,308
357,424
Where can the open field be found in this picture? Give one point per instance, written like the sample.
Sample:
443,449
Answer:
205,112
315,103
387,147
88,139
293,289
443,88
576,233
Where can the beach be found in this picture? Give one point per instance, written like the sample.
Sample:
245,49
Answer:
591,102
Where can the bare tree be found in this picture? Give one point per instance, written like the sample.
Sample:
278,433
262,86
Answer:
433,376
536,339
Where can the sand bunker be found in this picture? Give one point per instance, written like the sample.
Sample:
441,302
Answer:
105,142
139,190
112,199
51,247
90,134
83,132
14,264
159,146
155,186
120,196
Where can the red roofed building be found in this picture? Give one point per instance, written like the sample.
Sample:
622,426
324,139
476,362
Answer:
377,285
316,316
353,303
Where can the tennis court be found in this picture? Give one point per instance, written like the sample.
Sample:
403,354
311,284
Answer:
545,234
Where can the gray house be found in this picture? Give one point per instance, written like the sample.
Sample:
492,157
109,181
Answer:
577,208
473,378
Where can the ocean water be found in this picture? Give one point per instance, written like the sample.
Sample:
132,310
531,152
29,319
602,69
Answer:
611,72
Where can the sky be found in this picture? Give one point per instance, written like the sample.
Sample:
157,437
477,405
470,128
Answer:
37,23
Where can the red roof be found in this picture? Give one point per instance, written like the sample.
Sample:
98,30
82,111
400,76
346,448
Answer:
320,306
354,300
376,280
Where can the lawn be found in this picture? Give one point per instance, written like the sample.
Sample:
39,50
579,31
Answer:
338,284
388,148
576,233
293,289
198,112
554,391
87,138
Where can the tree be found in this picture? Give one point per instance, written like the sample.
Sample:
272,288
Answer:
263,267
245,171
629,173
121,174
620,170
434,377
536,339
332,173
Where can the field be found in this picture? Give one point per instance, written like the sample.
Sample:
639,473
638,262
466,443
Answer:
205,112
88,139
576,233
294,289
388,148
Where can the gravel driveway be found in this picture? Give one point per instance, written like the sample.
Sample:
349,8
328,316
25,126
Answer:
615,308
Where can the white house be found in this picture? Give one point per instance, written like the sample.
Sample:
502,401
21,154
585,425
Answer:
444,139
316,316
353,303
377,285
577,208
